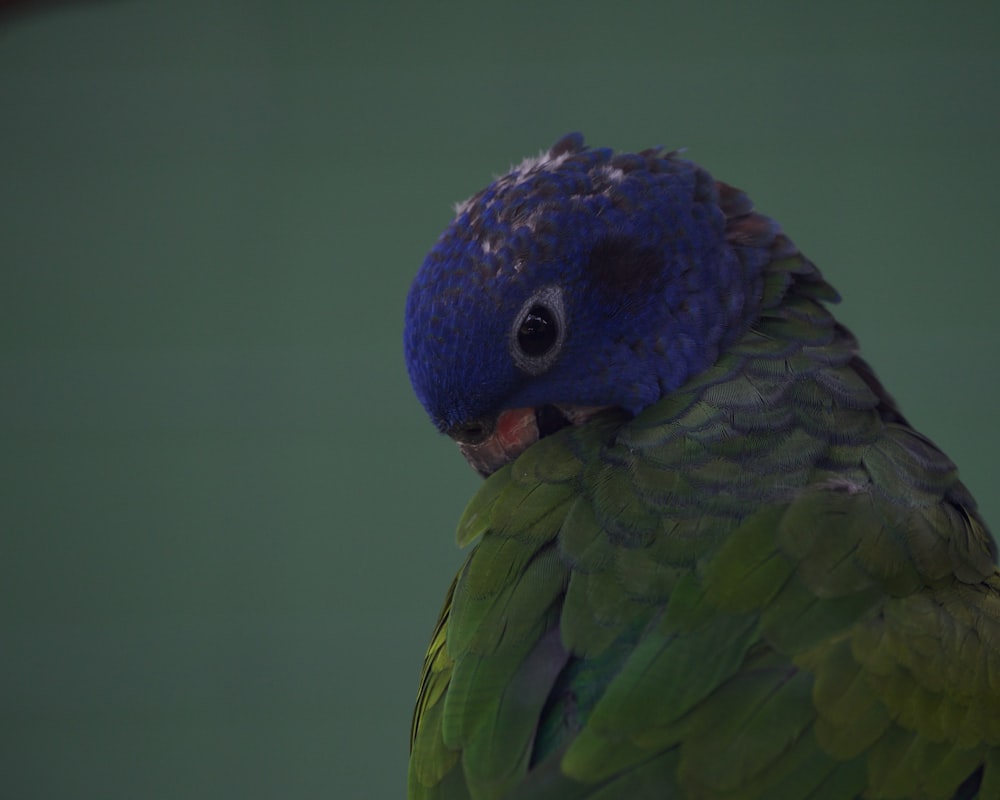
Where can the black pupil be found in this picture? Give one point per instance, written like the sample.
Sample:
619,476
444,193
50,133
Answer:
538,331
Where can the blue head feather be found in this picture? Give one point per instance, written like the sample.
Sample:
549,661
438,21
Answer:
634,248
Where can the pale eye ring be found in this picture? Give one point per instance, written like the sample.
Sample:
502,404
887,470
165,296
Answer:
539,330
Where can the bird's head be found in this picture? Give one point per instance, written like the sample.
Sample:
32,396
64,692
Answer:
581,280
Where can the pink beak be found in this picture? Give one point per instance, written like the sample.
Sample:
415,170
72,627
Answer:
515,431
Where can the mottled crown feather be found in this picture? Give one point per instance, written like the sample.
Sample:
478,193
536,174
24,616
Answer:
534,196
659,266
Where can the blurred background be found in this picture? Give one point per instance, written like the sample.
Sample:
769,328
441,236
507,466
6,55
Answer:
227,527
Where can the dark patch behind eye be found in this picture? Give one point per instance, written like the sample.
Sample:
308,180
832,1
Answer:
620,265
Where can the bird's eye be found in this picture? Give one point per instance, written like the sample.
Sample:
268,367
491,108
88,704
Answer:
539,330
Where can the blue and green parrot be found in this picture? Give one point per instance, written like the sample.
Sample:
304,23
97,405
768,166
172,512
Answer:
712,559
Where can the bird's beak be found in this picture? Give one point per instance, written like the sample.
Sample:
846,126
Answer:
514,431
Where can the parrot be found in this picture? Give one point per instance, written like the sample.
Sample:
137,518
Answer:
712,559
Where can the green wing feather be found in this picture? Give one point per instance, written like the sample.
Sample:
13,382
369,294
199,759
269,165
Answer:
767,585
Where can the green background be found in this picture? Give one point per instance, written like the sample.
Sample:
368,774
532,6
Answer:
225,525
